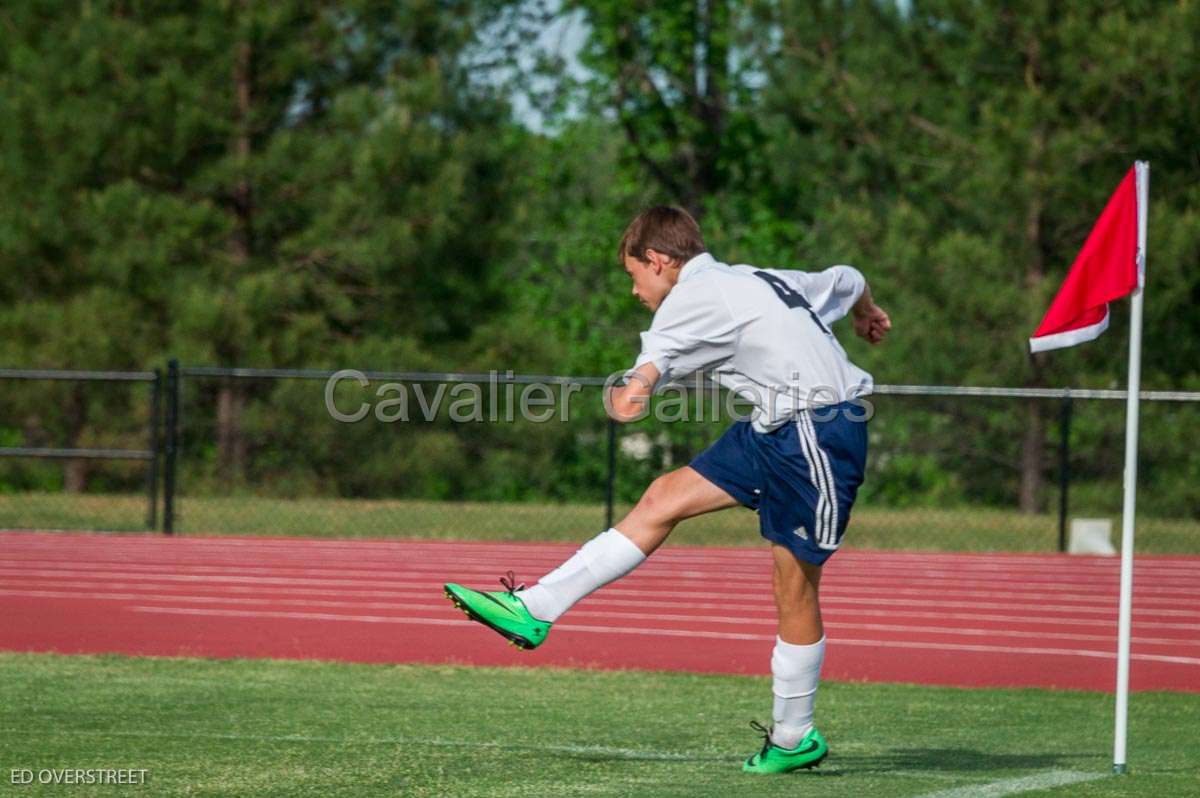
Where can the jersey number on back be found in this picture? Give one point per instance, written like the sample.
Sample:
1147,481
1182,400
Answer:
791,297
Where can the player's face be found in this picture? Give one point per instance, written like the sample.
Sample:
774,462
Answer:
650,281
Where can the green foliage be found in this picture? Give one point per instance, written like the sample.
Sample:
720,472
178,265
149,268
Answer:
343,184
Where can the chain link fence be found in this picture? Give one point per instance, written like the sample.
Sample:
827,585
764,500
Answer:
511,457
447,456
80,449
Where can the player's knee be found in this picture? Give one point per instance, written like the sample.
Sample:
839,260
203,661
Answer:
659,501
795,596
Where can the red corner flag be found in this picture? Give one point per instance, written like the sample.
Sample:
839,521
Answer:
1106,269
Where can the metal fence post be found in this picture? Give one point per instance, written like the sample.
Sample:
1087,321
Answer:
156,458
1064,468
172,446
612,473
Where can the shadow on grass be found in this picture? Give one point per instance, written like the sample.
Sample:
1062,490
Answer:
948,760
620,756
956,760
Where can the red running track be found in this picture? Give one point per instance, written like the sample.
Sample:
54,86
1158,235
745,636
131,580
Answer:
952,619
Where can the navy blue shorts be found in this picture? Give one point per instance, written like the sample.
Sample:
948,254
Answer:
801,478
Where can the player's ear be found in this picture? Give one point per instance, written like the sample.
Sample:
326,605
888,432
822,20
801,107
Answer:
657,260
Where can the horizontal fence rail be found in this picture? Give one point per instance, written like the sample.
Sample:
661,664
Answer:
634,454
504,377
510,377
73,454
1034,393
76,454
75,375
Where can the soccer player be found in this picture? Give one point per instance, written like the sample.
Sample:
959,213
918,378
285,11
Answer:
798,461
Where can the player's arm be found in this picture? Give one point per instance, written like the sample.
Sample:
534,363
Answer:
837,292
871,322
629,402
693,330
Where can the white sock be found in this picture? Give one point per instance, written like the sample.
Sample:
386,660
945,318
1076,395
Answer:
797,670
603,559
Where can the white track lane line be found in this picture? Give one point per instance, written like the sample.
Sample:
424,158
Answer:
765,607
892,560
843,583
833,598
766,620
697,555
629,630
199,540
1003,562
17,567
840,587
1062,581
582,613
682,551
1102,596
1185,589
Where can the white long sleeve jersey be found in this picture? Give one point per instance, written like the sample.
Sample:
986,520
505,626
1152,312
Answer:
764,334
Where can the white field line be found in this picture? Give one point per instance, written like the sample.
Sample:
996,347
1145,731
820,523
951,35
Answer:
627,630
408,742
762,607
1011,606
998,789
578,613
584,750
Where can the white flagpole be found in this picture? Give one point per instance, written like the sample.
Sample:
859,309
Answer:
1142,171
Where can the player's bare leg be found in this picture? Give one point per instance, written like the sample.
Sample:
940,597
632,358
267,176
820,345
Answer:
671,498
524,616
793,742
796,586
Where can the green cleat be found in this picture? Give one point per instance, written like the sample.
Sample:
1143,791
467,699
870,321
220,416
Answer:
501,610
773,759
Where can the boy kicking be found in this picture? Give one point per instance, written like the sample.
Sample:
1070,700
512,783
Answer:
798,461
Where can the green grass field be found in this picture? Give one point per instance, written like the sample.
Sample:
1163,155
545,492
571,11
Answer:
963,529
264,728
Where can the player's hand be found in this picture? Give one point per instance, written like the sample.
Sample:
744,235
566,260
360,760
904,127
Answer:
871,323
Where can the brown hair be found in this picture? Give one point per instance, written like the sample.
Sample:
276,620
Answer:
666,229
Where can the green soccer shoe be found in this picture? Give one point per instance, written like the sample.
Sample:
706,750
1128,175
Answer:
773,759
502,611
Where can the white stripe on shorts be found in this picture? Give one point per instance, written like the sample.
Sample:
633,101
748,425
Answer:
829,540
802,437
808,446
